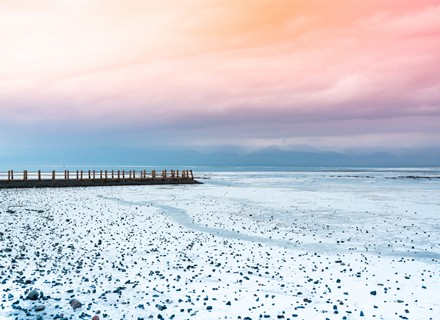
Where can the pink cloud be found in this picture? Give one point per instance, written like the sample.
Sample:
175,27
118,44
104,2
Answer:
221,63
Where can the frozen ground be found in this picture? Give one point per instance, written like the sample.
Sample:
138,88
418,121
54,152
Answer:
304,245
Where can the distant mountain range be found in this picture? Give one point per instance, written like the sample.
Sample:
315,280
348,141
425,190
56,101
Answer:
117,155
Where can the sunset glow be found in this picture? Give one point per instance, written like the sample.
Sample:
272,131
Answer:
251,73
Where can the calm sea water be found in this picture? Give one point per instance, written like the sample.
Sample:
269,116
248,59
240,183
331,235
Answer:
205,169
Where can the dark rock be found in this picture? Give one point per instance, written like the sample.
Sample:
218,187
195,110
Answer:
373,293
95,317
119,290
75,304
39,308
33,295
161,307
16,307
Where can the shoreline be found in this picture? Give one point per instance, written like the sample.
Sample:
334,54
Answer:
20,184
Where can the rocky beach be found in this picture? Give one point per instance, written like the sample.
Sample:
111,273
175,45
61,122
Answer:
307,245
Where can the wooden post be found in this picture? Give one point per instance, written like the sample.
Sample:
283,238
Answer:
177,173
77,174
105,172
67,174
123,174
24,174
192,176
9,175
89,174
113,174
100,174
53,174
119,176
39,175
81,174
94,176
153,174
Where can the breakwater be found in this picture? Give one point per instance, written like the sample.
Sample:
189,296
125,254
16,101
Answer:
89,178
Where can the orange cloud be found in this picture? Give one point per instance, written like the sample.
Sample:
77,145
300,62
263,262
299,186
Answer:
157,62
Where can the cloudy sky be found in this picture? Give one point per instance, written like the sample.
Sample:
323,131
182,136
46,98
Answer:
253,73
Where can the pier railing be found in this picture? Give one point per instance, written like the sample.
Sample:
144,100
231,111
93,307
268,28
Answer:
40,175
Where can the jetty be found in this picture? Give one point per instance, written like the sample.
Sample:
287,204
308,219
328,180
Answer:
93,178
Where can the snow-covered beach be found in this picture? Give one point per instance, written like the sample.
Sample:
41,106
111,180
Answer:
244,245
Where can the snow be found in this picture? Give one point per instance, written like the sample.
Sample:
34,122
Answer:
278,245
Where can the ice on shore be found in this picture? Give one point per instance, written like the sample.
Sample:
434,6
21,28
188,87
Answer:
309,245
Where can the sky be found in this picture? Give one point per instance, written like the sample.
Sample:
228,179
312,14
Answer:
331,74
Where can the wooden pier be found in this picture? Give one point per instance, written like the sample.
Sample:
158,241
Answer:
89,178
